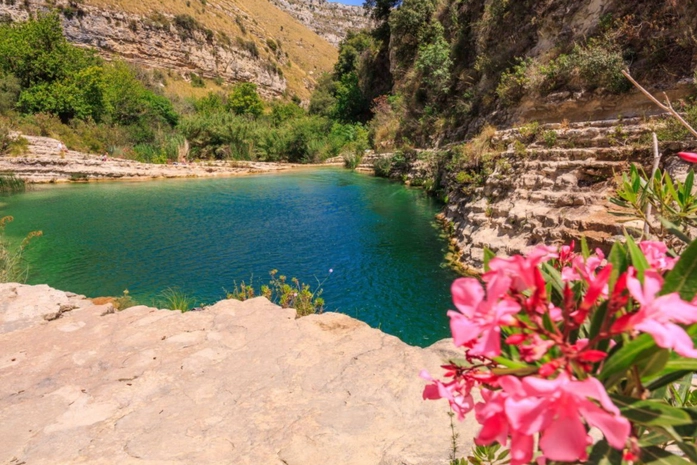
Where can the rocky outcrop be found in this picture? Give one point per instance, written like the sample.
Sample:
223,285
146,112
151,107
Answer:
157,41
553,189
330,20
238,382
551,184
45,163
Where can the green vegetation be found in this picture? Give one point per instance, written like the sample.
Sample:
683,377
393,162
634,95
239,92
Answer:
284,292
12,265
49,87
174,299
10,184
124,301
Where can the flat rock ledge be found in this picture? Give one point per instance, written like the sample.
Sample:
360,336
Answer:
44,163
239,383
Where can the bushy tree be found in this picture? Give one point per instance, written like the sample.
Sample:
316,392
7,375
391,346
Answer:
434,63
244,100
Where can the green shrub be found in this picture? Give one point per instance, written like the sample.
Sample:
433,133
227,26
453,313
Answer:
12,265
550,138
196,80
244,100
530,131
285,293
383,167
124,301
175,299
596,65
514,82
434,63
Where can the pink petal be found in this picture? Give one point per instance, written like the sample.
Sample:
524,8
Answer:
462,328
493,429
676,309
489,344
669,336
615,428
529,415
467,294
521,448
594,389
688,157
565,440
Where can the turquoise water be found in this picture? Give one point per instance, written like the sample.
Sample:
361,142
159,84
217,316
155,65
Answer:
378,237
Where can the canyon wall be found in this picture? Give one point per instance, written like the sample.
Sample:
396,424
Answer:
328,19
158,42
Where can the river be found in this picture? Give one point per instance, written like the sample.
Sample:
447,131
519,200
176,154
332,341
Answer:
200,236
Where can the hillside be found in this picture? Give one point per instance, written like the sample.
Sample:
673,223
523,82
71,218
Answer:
222,40
330,20
452,66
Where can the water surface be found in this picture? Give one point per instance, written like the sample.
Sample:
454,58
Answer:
378,237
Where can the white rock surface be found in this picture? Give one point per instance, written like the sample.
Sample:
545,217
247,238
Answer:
240,382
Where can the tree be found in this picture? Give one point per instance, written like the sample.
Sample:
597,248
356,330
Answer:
380,10
244,100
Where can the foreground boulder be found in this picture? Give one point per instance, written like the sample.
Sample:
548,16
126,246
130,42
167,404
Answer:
240,382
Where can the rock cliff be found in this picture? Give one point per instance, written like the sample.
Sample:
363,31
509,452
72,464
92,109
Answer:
328,19
157,41
238,382
551,184
218,39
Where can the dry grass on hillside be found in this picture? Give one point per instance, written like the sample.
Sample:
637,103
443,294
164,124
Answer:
309,53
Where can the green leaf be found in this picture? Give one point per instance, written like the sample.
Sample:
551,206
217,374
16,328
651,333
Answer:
509,363
654,364
553,276
514,371
638,260
603,454
650,412
689,430
659,456
585,251
597,321
675,230
683,277
681,364
666,379
619,260
488,255
623,358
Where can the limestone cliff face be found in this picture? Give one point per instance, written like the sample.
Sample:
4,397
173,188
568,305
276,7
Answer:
549,187
159,42
328,19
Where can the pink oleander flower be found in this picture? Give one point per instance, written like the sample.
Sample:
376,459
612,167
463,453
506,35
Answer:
656,254
657,315
491,414
582,268
555,409
688,157
479,319
523,271
531,347
456,392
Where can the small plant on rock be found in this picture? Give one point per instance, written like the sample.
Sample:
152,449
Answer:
174,298
12,265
